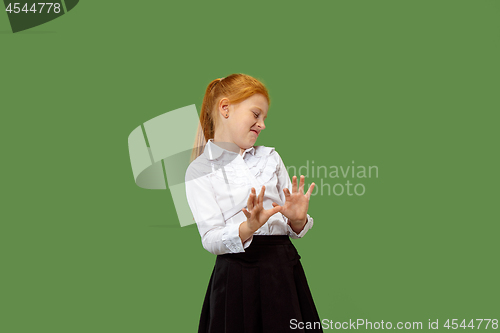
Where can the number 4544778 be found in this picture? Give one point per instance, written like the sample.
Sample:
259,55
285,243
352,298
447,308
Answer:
16,8
454,324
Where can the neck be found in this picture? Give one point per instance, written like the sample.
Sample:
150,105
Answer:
227,144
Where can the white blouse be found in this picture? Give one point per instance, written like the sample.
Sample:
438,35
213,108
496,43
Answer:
218,185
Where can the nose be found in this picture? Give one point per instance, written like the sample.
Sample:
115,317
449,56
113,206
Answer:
261,124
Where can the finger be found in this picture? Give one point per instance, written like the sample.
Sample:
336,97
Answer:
274,210
277,209
251,199
309,192
294,184
301,184
276,205
261,196
247,214
287,193
270,212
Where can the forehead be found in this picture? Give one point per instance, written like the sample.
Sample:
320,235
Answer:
257,101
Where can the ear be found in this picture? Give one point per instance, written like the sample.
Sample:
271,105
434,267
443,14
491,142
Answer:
224,107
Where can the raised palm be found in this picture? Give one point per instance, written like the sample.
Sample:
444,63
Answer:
296,203
256,214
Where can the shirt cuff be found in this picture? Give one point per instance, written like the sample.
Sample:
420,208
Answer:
231,238
248,242
307,226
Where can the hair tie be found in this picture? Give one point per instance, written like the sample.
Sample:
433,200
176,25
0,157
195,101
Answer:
220,79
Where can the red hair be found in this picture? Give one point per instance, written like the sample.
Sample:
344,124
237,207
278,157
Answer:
236,88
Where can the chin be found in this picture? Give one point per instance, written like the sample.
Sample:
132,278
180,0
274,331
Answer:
248,144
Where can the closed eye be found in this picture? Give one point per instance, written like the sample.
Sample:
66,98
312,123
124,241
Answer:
255,114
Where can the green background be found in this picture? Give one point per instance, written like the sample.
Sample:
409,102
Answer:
408,86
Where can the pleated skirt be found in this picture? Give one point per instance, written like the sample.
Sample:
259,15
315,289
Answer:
262,290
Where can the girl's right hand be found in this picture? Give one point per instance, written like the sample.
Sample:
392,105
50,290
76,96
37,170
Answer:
256,214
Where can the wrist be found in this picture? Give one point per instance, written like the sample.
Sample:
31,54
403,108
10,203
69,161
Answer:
298,225
245,232
298,222
246,227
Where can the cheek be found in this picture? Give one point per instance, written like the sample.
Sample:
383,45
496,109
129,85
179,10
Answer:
242,124
237,129
240,127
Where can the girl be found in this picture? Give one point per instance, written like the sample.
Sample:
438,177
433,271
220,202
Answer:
246,210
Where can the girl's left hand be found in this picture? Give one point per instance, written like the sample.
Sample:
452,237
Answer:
296,204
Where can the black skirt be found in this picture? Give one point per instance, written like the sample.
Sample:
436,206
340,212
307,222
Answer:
263,290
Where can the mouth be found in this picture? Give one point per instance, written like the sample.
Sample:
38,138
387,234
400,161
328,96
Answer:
257,133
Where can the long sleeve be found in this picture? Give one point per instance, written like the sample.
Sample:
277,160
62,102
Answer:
217,237
285,182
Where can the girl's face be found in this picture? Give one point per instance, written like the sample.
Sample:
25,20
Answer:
245,121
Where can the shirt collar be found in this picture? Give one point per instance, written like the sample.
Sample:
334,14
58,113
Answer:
212,151
250,150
